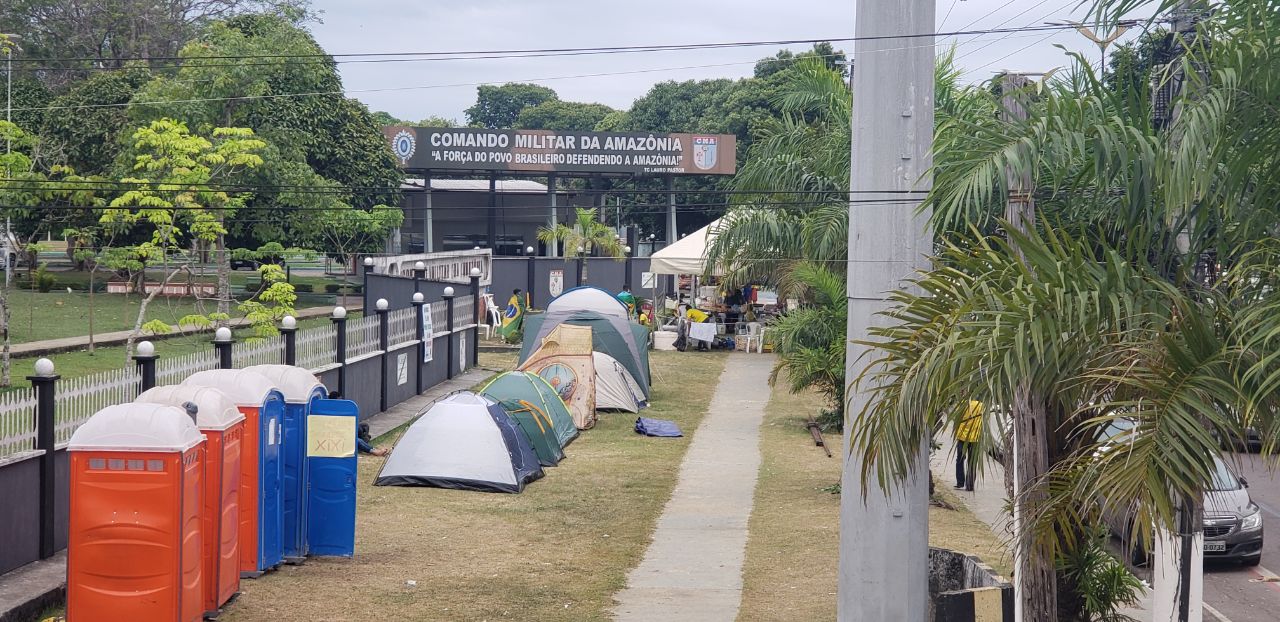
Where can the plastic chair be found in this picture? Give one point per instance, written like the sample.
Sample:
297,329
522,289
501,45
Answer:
755,337
495,316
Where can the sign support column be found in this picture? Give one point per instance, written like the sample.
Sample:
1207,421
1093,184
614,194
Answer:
551,213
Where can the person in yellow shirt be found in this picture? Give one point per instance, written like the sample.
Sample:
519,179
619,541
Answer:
967,434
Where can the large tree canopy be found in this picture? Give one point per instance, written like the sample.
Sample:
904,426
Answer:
498,106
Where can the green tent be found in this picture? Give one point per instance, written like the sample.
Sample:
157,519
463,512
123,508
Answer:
519,391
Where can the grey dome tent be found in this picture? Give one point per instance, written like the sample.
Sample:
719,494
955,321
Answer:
590,298
464,441
626,342
615,388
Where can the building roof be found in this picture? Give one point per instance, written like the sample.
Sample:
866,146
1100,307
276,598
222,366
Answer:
516,186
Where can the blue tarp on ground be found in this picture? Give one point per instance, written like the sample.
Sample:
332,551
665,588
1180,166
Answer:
657,427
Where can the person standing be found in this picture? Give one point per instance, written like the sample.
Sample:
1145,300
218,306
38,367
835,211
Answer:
967,434
513,318
628,299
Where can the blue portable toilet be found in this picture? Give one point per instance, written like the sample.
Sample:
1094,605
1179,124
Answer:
260,463
331,461
300,389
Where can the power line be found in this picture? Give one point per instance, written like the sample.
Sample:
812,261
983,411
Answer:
509,53
118,185
437,86
290,209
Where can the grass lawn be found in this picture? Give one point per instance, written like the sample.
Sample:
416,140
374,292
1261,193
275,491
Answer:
793,541
83,363
558,551
36,316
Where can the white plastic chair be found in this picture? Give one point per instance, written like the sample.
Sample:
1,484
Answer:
494,313
755,337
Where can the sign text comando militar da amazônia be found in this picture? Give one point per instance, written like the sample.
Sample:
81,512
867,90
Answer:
478,149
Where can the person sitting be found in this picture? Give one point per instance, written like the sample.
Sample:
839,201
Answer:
364,442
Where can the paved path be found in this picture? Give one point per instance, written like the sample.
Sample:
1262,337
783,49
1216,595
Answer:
65,344
693,568
407,410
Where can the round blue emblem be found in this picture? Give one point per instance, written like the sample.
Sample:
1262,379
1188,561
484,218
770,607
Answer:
403,144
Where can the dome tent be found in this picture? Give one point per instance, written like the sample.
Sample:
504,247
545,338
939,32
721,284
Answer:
564,362
589,298
615,389
466,442
519,386
625,341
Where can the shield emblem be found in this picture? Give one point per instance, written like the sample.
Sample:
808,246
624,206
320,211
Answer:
704,152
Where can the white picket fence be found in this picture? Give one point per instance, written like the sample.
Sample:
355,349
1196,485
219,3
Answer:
316,346
439,318
402,325
464,309
77,399
269,351
173,370
362,336
17,422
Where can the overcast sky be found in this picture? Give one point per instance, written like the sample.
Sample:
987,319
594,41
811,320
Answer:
403,26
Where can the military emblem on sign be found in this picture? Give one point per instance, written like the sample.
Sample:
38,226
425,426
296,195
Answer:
704,152
403,144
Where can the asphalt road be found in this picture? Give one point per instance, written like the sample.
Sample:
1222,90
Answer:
1238,594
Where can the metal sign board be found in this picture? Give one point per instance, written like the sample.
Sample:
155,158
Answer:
402,369
428,343
636,153
647,280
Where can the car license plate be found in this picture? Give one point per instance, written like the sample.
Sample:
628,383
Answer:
1215,547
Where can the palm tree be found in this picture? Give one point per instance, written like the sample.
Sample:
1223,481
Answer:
810,340
585,236
1145,294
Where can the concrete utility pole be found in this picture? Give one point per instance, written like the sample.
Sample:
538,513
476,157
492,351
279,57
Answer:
884,554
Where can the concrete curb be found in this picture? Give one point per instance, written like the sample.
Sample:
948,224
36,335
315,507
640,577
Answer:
28,591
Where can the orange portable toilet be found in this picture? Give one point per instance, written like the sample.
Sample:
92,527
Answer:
261,511
133,548
222,425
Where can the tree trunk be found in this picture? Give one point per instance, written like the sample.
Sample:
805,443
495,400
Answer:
224,281
4,332
142,315
1039,581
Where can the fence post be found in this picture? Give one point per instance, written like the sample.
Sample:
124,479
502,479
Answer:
581,280
145,358
630,244
476,306
419,273
529,278
339,320
448,301
289,332
420,302
222,345
364,290
44,382
384,343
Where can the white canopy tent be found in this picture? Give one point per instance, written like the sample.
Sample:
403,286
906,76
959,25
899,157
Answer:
687,255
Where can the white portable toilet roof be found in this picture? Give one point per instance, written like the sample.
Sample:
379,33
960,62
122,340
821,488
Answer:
244,387
137,427
216,411
296,383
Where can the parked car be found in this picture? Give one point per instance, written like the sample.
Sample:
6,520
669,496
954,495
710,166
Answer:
1232,521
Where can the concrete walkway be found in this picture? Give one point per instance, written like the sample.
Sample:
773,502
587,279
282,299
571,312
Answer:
405,411
693,568
67,344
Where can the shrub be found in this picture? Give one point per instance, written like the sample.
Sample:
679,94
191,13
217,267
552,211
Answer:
42,279
332,288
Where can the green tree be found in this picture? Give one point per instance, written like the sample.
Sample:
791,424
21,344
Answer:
85,126
1145,293
498,106
562,116
178,184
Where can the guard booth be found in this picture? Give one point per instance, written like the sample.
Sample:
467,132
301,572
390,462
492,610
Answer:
222,425
260,463
331,461
300,389
134,542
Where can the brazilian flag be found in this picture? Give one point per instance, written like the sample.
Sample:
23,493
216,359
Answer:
513,320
